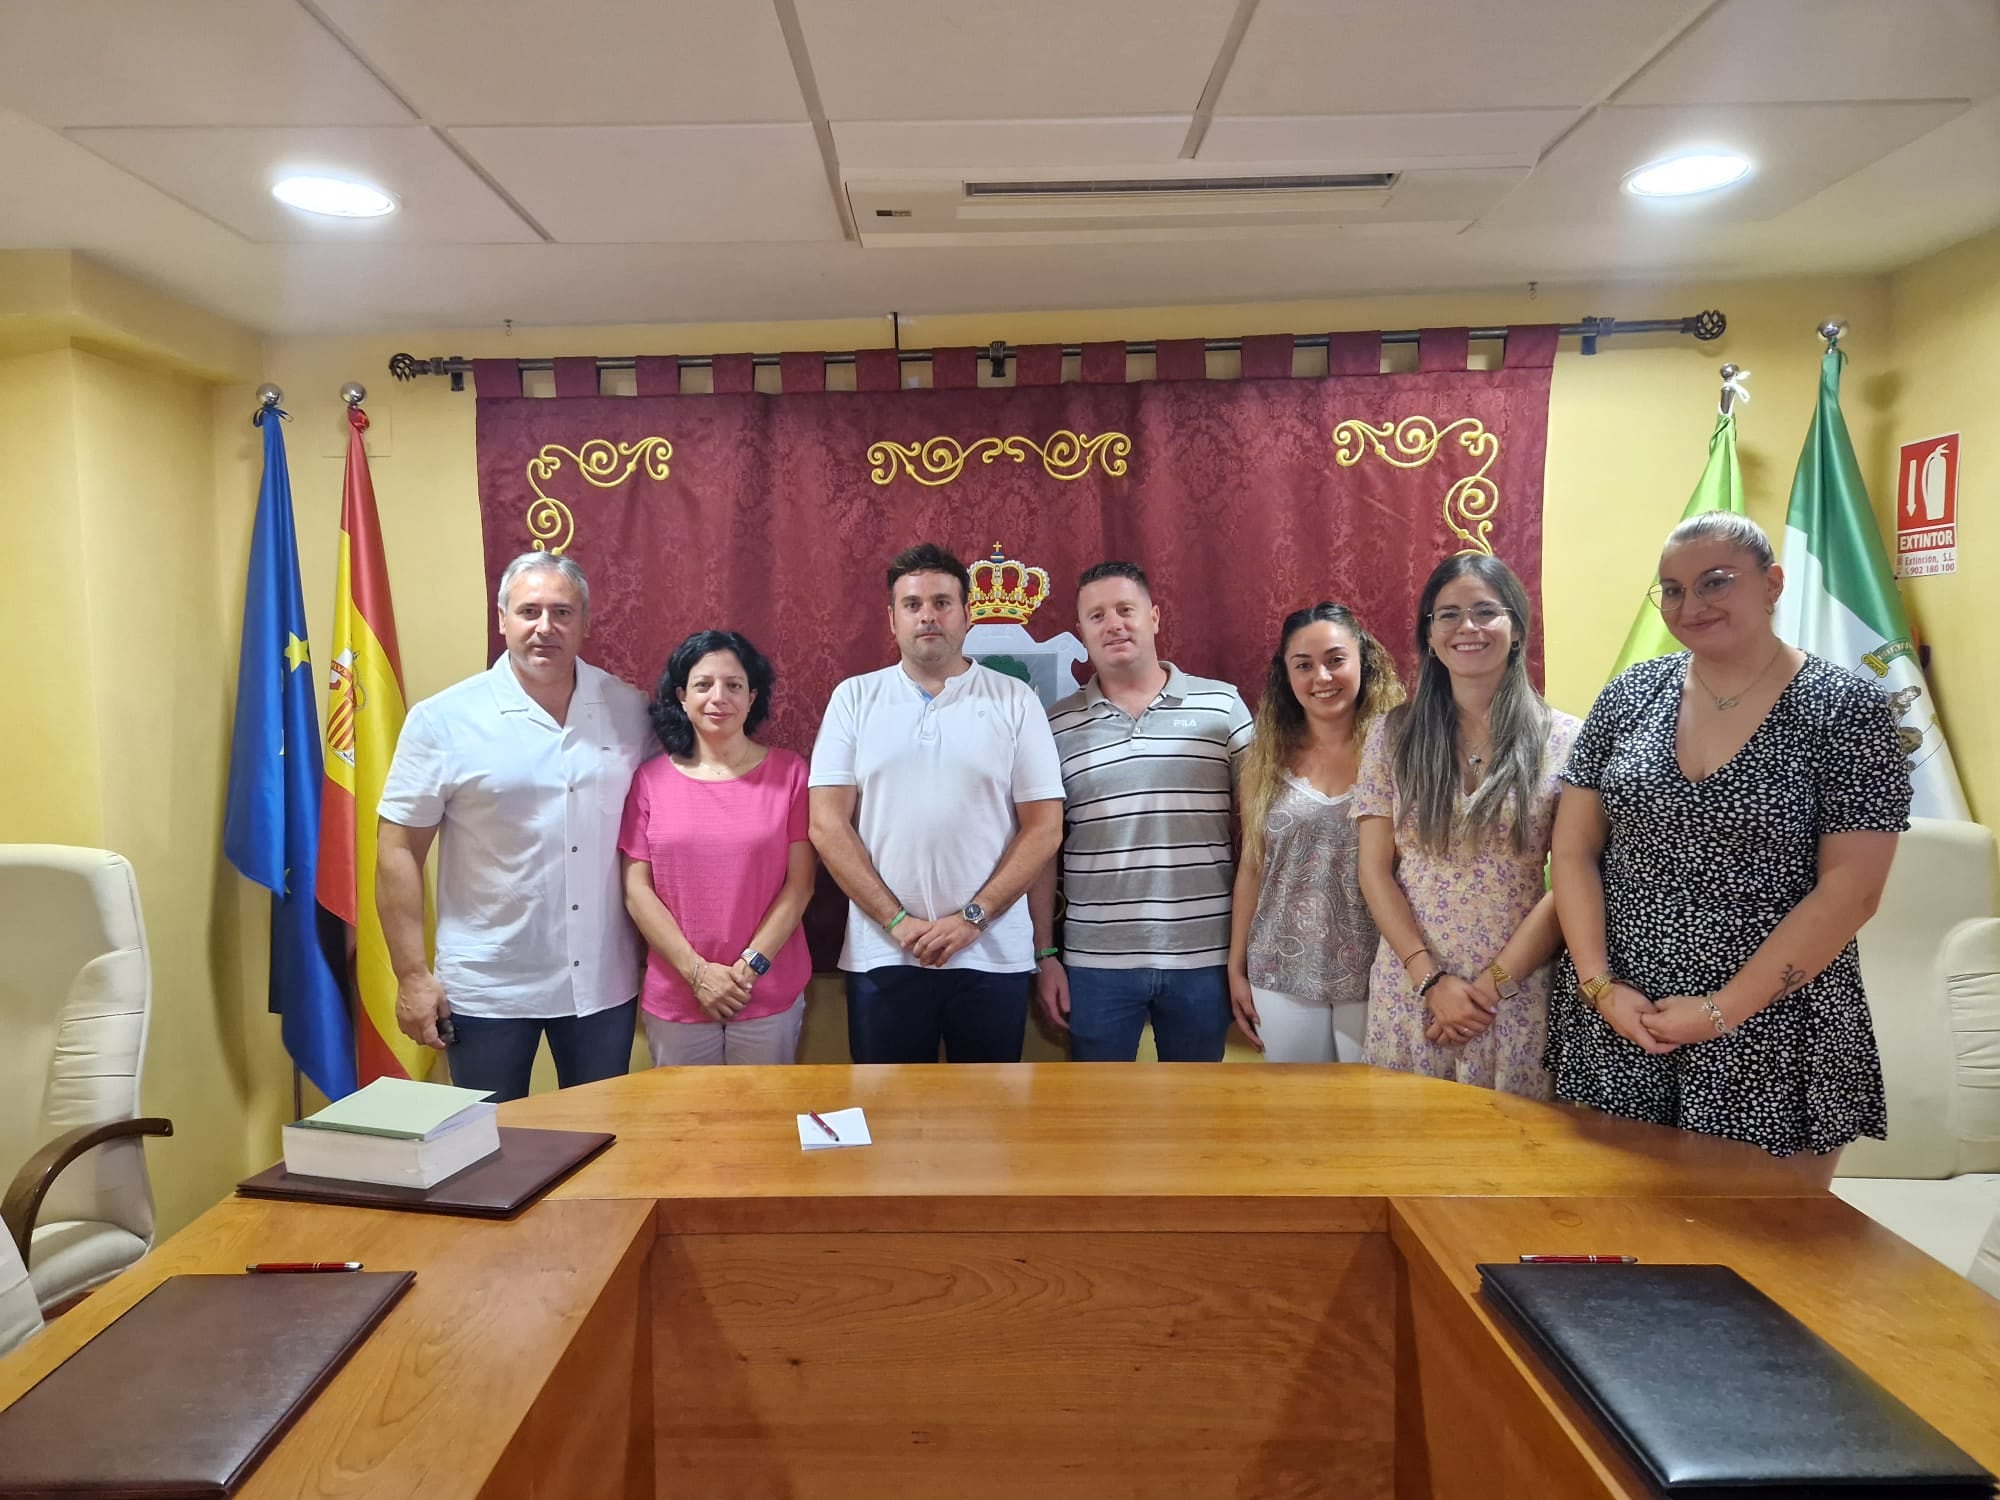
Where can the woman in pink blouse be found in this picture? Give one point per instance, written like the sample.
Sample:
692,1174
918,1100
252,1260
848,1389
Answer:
718,867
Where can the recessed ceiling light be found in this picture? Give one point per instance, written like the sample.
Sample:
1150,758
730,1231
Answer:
334,197
1695,172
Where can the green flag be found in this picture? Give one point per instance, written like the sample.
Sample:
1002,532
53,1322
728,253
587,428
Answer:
1719,488
1840,600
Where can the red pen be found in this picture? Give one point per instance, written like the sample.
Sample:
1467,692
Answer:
271,1267
822,1125
1579,1260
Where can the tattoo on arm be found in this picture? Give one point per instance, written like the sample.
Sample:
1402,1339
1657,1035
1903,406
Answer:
1791,979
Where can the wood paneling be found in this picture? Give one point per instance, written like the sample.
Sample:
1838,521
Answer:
1088,1365
1929,1336
429,1404
1059,1146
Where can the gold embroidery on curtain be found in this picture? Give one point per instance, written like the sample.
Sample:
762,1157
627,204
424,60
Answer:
602,463
937,461
1470,503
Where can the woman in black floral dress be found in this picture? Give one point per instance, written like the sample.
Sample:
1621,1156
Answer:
1731,816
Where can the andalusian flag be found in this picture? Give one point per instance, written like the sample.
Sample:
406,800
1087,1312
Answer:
1719,488
364,716
1840,598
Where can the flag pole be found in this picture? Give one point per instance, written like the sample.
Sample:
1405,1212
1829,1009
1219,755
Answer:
1728,397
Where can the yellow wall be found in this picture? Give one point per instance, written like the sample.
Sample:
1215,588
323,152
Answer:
145,486
1627,433
1945,314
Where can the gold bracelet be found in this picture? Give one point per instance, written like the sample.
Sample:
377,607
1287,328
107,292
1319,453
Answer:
1715,1017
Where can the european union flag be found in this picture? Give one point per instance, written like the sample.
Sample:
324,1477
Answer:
271,828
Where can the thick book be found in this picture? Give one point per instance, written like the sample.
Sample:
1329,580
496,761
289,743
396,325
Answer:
527,1165
412,1161
191,1387
1716,1391
398,1109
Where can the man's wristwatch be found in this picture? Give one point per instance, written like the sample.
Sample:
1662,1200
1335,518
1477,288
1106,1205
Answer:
759,965
975,914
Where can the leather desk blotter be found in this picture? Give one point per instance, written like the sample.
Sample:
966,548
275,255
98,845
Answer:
1716,1391
191,1387
528,1164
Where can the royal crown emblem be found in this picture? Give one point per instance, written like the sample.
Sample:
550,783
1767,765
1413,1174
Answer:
1005,590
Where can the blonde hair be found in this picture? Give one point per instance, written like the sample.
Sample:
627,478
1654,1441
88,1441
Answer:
1281,721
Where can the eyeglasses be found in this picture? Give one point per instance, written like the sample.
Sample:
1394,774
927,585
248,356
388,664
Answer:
1709,588
1482,615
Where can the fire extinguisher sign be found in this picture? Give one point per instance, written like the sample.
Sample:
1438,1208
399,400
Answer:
1927,507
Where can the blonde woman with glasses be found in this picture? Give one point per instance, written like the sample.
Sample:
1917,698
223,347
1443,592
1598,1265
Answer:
1455,804
1731,816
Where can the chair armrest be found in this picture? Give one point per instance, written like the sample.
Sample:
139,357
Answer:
32,1183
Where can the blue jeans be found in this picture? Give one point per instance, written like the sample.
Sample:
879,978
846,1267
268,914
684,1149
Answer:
1108,1008
499,1054
901,1013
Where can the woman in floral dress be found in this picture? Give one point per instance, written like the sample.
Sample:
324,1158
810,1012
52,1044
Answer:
1455,803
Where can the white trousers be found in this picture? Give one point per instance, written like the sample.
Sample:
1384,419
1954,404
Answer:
699,1044
1305,1031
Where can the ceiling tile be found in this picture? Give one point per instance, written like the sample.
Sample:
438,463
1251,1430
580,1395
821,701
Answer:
663,183
1785,51
1798,150
1307,57
228,173
193,62
1050,146
1028,59
1358,143
584,62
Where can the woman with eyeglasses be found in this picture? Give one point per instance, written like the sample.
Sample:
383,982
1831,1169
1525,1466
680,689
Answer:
1730,818
1455,803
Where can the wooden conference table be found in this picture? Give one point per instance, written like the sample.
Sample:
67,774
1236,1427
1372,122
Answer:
1047,1281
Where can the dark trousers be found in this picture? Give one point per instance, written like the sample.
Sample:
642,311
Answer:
901,1013
499,1054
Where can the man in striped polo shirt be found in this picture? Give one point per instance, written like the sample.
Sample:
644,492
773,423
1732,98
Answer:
1149,757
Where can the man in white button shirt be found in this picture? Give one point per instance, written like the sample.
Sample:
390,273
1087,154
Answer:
935,799
522,771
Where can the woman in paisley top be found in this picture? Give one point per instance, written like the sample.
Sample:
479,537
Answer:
1300,937
1455,803
1731,816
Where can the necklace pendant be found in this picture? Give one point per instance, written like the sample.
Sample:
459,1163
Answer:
1729,702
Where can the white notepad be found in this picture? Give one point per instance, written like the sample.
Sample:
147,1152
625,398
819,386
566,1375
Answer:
851,1125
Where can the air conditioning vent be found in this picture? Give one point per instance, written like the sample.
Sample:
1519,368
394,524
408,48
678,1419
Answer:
1155,187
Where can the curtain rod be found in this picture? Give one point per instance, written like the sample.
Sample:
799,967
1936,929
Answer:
1704,325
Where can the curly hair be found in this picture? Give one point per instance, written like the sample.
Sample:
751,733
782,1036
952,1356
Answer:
670,720
1281,720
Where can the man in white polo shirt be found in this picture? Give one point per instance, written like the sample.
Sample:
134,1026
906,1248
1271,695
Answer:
1149,756
935,798
520,774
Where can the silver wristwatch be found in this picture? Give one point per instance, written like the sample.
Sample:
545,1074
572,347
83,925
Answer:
975,914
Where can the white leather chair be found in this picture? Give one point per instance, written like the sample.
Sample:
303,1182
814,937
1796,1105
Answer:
20,1312
76,992
1930,960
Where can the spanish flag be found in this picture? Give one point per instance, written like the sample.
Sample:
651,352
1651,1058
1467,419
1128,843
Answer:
364,716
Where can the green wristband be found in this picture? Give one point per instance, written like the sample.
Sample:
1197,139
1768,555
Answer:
1041,953
891,925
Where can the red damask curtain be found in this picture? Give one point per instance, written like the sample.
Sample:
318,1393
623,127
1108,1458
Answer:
1242,498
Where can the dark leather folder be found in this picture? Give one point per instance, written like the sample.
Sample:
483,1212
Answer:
191,1387
527,1165
1716,1391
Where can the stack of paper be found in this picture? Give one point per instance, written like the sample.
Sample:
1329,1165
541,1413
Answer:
835,1128
395,1132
